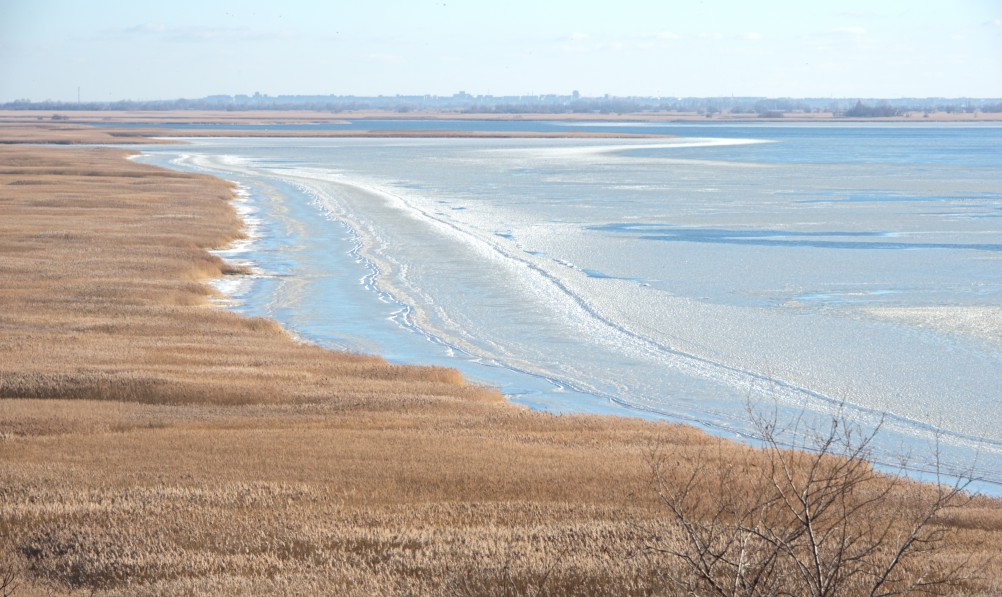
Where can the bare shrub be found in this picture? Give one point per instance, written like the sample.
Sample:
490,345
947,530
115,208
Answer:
7,584
813,518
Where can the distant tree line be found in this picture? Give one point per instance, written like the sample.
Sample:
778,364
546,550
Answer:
861,110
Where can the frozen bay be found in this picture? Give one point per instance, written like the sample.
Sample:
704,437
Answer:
795,265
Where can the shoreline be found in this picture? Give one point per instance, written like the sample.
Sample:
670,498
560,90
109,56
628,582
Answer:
134,419
527,394
259,117
99,128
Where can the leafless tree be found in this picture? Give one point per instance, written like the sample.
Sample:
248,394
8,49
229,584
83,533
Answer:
8,572
7,584
812,518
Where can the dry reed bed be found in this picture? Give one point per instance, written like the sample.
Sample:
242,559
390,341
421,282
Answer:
111,117
71,134
151,443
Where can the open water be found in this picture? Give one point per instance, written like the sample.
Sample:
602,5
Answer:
793,267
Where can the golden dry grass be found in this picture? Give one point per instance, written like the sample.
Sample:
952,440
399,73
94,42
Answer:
151,443
14,132
42,117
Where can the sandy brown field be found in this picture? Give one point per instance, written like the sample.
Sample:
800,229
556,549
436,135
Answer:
151,443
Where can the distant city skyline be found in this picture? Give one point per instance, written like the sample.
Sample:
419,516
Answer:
57,49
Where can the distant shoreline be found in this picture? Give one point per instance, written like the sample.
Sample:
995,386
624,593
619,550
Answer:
258,117
98,127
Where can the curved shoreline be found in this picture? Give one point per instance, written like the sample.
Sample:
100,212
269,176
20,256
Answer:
899,430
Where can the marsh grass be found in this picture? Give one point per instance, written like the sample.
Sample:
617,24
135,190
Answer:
151,443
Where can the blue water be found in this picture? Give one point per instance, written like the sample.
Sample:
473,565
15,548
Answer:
795,267
904,143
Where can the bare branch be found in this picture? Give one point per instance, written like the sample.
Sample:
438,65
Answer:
807,522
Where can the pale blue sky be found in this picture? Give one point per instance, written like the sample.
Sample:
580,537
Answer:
140,49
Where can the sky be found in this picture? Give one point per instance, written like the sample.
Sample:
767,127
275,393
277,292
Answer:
162,49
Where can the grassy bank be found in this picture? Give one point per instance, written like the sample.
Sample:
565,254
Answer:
152,443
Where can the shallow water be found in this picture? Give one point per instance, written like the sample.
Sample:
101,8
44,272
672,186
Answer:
795,266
